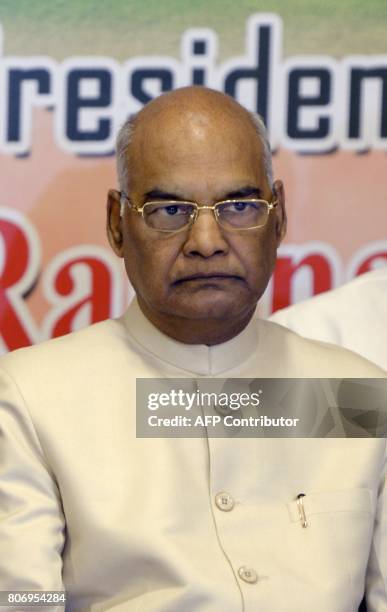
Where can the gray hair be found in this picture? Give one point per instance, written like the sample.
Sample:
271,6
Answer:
267,158
125,137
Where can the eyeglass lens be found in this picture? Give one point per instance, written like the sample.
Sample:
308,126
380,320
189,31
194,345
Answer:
243,214
168,216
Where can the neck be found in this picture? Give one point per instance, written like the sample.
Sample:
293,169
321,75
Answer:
196,331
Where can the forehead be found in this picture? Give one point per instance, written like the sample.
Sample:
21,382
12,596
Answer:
199,154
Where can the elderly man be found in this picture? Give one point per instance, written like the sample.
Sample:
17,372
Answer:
200,524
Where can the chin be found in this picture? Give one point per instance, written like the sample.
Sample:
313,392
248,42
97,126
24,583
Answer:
214,305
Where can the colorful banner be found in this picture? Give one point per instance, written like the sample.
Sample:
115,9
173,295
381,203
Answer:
71,73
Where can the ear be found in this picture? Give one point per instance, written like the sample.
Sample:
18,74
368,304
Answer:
114,222
281,221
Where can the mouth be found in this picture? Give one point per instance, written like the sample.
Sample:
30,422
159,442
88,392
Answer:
216,276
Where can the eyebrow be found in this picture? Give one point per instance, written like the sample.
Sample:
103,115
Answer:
158,194
243,192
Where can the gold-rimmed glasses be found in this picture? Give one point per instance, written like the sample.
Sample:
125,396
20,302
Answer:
176,215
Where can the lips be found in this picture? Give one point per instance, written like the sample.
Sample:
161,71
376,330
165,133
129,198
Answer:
206,276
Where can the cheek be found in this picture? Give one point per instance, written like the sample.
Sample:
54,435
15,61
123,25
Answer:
257,255
148,259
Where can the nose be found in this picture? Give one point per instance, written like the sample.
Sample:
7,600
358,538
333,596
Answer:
205,238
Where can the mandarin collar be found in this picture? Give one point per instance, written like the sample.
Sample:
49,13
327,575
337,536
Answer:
193,358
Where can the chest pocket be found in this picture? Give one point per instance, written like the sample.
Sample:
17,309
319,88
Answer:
333,549
328,502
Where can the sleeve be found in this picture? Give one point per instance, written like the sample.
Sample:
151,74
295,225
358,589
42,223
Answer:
31,517
376,578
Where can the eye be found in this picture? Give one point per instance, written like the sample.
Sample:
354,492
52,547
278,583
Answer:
171,210
240,206
167,210
176,209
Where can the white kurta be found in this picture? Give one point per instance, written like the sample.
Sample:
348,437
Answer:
353,316
129,525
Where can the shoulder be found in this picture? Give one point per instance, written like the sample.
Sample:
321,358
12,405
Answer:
361,293
312,358
76,350
353,316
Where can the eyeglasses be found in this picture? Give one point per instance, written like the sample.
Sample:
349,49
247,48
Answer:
176,215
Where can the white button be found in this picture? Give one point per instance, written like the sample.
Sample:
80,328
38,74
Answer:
224,501
248,574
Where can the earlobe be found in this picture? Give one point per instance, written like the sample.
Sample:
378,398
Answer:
114,222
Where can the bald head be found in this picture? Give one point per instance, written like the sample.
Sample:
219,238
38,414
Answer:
194,117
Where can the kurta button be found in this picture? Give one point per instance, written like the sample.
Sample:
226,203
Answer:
224,501
248,574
